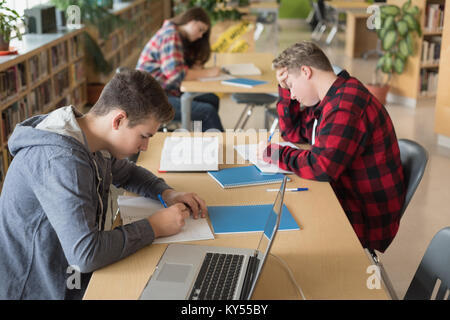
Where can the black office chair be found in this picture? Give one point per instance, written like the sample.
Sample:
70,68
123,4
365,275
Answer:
435,265
414,160
251,100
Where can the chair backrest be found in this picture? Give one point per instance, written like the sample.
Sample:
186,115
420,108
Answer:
435,265
414,159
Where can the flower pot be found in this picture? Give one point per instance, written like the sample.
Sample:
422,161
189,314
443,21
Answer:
380,92
4,45
93,92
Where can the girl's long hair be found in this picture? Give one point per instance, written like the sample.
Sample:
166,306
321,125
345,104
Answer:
200,49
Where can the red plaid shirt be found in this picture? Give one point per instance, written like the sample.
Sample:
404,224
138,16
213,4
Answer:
163,57
355,149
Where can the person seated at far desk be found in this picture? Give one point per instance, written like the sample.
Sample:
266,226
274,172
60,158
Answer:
354,145
55,195
178,52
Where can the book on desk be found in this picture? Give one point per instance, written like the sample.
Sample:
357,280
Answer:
243,82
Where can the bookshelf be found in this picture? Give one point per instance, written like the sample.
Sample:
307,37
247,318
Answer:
420,77
442,111
123,46
47,73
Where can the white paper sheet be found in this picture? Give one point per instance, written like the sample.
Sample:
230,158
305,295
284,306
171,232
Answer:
249,152
136,208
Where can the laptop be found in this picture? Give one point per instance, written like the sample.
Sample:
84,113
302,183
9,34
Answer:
194,272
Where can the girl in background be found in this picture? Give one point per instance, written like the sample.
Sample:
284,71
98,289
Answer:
178,52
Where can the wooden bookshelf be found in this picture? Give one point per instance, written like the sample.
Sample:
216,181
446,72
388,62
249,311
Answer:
442,112
48,73
123,46
419,78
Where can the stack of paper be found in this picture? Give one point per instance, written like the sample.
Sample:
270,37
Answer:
137,208
190,154
250,152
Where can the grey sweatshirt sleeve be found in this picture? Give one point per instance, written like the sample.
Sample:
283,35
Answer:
136,179
70,202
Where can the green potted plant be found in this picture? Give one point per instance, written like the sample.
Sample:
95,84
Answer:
9,19
396,31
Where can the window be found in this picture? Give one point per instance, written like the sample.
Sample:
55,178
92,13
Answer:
20,6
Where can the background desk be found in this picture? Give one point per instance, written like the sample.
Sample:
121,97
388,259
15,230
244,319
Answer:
359,39
193,88
325,256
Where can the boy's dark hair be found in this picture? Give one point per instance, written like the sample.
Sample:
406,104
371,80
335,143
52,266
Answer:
138,94
199,50
303,53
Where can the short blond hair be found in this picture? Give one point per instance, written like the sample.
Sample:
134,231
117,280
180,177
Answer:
305,53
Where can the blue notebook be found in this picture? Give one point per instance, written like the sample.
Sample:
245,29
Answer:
244,176
243,82
252,218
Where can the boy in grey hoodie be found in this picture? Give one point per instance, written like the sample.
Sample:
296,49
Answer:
53,201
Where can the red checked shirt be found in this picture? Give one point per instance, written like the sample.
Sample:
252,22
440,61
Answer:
163,57
355,149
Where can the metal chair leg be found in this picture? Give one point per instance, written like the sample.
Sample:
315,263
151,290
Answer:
384,275
244,112
249,113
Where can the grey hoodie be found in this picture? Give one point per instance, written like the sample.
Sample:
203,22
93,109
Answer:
53,206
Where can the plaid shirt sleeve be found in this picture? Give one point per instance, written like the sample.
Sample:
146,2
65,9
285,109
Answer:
172,60
339,138
295,124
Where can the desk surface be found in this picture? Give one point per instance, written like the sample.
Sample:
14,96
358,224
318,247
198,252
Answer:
262,60
325,256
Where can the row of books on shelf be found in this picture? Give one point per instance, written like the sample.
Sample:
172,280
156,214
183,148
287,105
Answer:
38,66
59,54
434,17
77,71
431,51
12,81
428,82
35,103
76,47
5,160
61,82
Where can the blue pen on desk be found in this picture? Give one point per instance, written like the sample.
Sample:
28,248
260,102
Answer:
288,189
162,201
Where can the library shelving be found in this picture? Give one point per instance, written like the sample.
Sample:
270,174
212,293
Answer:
442,110
420,76
47,73
124,45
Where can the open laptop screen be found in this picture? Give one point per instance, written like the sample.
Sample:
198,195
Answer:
270,229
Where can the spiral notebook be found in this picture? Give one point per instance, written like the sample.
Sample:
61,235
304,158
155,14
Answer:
244,176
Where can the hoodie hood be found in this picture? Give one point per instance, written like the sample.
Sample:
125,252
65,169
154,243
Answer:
58,128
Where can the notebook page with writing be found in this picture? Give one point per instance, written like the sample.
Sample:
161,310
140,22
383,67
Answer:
137,208
249,152
190,154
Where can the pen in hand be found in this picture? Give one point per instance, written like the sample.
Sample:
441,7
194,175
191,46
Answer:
162,201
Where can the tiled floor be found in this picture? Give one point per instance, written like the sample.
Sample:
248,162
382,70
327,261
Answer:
427,212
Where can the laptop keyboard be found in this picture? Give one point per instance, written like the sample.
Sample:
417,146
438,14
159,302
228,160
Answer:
218,277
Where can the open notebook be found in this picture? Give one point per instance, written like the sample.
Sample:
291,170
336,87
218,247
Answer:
137,208
249,152
190,154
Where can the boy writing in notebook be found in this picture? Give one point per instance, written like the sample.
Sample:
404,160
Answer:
55,195
354,146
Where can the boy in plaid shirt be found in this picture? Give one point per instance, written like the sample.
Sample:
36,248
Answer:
354,146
